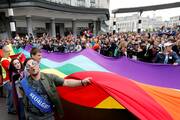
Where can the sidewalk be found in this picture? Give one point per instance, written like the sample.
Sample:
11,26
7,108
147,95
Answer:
3,111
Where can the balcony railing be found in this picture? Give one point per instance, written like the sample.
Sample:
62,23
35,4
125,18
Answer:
77,3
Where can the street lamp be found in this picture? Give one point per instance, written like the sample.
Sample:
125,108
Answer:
139,22
11,19
114,24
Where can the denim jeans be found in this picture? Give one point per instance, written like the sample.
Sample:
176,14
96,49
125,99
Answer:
9,99
21,112
1,91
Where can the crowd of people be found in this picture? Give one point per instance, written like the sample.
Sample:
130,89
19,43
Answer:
147,47
22,79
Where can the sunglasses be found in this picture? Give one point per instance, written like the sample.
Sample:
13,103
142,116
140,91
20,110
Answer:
33,64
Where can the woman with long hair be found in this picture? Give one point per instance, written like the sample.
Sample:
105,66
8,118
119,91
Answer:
16,75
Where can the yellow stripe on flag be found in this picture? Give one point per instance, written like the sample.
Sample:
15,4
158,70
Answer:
54,71
109,103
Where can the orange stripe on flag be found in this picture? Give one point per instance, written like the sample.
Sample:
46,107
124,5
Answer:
166,97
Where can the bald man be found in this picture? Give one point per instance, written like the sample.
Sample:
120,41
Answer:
5,62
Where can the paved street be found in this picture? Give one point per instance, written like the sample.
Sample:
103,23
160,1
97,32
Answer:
3,111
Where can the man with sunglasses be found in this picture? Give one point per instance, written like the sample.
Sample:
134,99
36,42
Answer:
42,100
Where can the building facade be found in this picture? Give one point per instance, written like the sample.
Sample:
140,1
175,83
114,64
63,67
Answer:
175,21
130,23
55,17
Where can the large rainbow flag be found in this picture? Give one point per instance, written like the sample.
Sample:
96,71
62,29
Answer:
121,88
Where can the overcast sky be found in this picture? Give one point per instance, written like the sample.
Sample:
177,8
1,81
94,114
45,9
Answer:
166,14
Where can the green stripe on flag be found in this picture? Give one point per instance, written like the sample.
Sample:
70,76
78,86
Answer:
69,69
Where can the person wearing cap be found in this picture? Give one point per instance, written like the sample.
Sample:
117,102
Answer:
168,56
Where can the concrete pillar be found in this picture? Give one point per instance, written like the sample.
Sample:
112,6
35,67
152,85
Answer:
98,26
61,29
114,24
29,24
53,28
94,28
74,27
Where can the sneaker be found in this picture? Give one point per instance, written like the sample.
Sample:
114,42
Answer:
12,112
